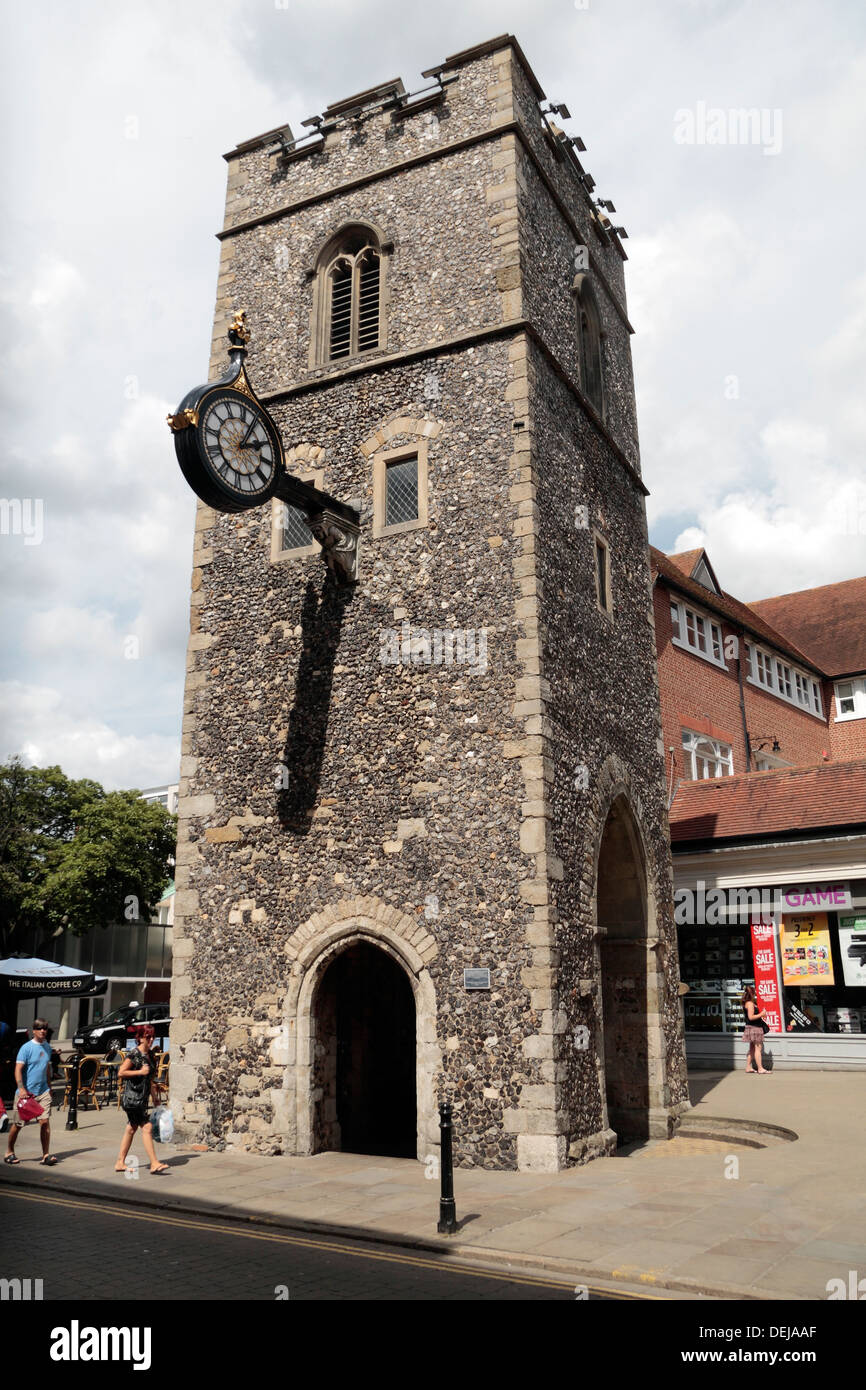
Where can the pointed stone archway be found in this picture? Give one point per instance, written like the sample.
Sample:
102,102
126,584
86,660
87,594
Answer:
631,954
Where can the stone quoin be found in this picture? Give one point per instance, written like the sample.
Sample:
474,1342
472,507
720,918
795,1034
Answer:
353,833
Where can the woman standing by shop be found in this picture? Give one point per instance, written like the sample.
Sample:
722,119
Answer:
138,1074
753,1033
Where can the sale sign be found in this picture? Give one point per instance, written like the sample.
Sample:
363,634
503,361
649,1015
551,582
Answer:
806,955
766,964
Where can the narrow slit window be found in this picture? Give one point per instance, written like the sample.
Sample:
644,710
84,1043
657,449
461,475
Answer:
589,343
602,575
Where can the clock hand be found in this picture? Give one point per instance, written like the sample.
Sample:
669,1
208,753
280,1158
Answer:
243,442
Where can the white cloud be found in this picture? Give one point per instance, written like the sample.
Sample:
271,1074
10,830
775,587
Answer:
39,722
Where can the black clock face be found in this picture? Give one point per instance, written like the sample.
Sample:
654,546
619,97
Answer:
238,447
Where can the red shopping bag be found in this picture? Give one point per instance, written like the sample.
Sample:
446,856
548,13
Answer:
29,1109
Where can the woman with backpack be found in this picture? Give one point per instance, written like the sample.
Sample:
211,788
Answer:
138,1074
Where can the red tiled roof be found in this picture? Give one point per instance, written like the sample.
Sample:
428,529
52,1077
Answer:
739,614
770,803
829,623
686,561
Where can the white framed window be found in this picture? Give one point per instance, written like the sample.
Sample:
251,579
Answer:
786,682
784,679
706,757
850,699
697,633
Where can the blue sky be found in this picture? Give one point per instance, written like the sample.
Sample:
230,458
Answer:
745,286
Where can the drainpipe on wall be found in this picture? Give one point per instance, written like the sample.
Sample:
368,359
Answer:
740,658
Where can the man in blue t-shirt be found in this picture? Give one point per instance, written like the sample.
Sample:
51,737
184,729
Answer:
33,1077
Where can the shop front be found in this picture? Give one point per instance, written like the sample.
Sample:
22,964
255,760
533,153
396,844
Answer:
808,969
801,945
770,891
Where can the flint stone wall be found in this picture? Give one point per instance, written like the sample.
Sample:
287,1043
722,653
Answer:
322,786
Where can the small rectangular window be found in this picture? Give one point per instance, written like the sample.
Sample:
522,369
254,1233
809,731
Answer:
783,674
296,532
697,634
291,537
851,699
401,492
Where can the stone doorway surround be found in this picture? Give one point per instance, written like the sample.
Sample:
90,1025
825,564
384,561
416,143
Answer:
312,948
630,947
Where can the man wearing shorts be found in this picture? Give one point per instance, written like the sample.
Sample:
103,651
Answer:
33,1078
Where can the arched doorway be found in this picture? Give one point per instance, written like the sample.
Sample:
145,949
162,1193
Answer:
621,902
364,1056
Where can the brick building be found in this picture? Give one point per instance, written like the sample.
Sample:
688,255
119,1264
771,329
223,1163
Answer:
455,767
764,718
717,656
830,624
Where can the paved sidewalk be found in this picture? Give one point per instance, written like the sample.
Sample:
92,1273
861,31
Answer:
683,1216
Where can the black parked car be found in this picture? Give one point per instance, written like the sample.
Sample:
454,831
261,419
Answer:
116,1029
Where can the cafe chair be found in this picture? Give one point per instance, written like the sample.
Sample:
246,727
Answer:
88,1079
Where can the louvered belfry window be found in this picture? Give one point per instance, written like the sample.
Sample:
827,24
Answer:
354,303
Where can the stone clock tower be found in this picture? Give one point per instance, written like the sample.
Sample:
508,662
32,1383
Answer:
423,841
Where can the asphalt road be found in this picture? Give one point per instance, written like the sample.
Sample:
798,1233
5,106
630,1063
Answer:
85,1249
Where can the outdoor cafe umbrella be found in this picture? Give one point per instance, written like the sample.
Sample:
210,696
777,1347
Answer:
23,976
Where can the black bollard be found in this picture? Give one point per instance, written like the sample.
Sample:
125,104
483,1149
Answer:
447,1209
72,1115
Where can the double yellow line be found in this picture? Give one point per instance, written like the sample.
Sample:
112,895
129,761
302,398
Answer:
331,1246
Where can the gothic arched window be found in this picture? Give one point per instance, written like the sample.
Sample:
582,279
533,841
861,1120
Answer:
589,340
349,308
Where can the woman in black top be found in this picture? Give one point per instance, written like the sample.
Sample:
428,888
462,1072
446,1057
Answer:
753,1033
138,1075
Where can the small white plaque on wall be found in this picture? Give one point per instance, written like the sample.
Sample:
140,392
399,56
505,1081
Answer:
476,979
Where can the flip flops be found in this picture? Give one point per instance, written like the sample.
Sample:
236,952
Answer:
162,1168
48,1161
10,1158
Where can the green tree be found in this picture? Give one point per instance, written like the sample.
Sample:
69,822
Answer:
74,856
